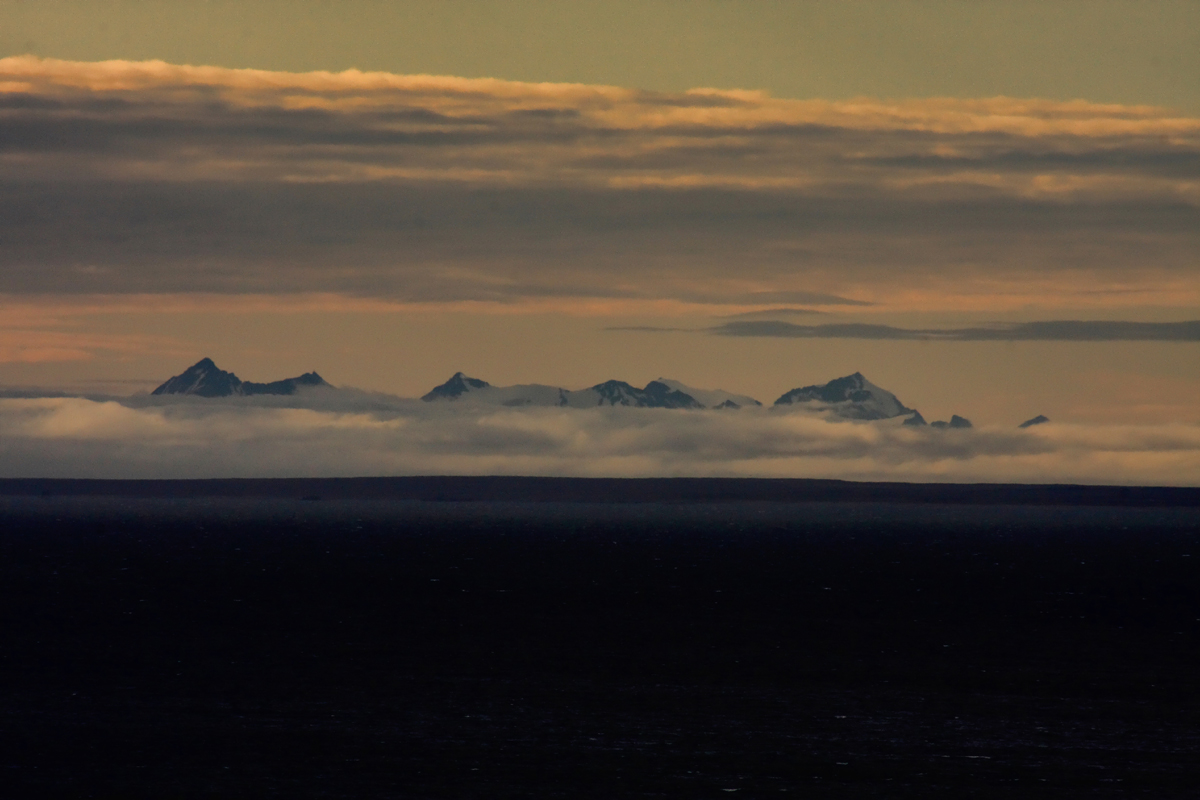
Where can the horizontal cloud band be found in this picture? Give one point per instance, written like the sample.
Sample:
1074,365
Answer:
124,177
253,437
1048,331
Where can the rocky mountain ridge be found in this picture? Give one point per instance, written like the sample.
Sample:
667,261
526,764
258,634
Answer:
656,394
850,397
206,379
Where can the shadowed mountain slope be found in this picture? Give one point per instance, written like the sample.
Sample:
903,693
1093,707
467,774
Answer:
206,379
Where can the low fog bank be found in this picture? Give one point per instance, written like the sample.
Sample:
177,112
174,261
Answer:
375,435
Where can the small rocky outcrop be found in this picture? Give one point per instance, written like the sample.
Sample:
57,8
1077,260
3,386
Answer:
955,422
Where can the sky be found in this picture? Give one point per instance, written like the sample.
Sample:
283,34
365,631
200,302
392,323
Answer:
988,209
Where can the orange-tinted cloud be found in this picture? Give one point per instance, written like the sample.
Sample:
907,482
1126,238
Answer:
26,346
146,177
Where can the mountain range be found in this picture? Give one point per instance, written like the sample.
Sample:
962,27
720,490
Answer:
850,397
205,379
662,393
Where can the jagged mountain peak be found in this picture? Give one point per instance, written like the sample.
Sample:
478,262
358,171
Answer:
203,379
458,385
711,398
656,394
206,379
851,396
1038,420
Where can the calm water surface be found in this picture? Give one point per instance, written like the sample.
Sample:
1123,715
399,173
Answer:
215,647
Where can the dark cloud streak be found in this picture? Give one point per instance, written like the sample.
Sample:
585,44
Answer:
1046,331
394,239
1150,158
154,178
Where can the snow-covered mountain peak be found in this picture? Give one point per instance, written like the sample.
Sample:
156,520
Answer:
849,397
711,398
852,397
458,385
206,379
610,393
655,395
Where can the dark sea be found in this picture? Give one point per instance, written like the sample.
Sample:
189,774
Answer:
189,640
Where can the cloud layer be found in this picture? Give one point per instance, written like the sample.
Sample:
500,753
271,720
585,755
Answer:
375,435
1047,331
122,177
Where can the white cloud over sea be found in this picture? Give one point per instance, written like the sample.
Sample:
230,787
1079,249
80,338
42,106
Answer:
366,435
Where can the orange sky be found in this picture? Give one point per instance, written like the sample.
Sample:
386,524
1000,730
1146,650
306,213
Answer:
569,233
